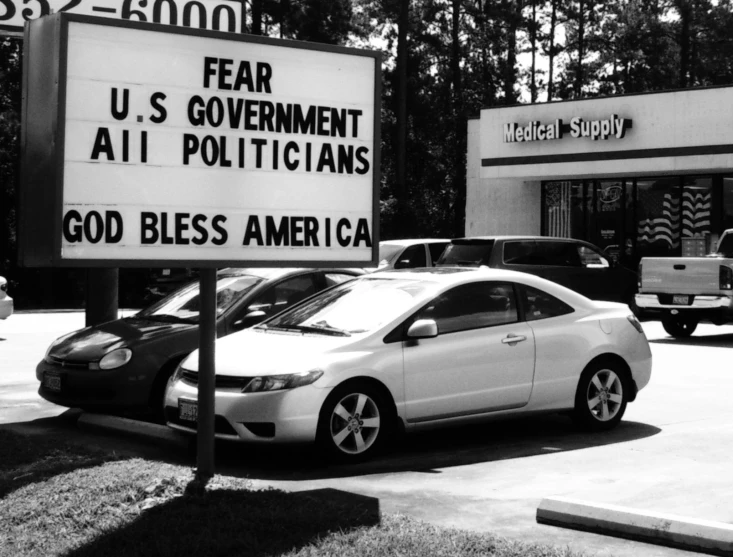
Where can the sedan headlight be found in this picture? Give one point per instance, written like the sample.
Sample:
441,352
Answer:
113,360
281,382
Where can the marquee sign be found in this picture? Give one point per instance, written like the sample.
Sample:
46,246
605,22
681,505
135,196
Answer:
216,15
145,145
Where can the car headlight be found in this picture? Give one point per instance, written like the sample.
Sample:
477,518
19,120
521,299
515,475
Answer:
113,360
281,382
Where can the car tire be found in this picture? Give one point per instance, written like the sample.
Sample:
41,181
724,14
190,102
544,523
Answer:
602,396
354,423
679,327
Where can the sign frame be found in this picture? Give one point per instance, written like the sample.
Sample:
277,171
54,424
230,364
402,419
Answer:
40,204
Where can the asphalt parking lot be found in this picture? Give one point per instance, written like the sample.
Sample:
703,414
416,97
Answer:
671,453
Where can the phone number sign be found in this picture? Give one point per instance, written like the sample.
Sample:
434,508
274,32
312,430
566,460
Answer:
145,144
215,15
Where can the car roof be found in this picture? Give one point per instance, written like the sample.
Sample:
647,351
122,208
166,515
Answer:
273,273
457,275
413,241
518,237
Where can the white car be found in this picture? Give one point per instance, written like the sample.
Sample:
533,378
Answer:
410,254
6,302
409,350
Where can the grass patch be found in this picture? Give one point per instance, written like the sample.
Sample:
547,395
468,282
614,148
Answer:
90,505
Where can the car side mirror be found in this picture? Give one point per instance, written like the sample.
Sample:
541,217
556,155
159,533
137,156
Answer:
423,328
402,264
252,318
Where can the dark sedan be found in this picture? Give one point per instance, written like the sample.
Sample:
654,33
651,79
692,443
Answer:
123,366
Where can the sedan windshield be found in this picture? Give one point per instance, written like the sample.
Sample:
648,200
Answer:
183,305
358,306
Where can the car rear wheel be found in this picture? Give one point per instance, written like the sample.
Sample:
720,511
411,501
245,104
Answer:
679,327
601,398
354,423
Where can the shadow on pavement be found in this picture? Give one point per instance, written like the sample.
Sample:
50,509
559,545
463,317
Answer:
236,522
714,341
428,452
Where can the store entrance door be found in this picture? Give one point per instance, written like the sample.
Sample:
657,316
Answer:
607,229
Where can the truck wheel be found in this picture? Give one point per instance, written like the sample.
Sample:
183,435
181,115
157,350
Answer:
679,327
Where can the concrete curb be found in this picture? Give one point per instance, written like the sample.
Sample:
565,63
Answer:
704,536
126,426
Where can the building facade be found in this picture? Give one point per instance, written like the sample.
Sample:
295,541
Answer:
638,175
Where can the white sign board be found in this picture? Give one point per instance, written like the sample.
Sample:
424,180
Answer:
182,147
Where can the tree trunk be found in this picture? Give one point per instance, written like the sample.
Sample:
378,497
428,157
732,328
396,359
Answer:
401,194
533,42
257,17
685,24
459,156
551,54
581,50
510,74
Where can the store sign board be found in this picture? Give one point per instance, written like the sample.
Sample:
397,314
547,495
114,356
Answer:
606,128
217,15
194,147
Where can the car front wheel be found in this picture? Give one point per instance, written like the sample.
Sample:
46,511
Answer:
601,398
679,327
354,423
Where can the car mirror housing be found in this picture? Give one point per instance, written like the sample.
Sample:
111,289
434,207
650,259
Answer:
423,328
252,318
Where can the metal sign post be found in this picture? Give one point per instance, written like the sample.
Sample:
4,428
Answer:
207,340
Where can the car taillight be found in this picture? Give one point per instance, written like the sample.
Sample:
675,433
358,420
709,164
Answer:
726,278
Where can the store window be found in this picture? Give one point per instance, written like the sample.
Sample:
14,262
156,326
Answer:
565,212
727,202
658,217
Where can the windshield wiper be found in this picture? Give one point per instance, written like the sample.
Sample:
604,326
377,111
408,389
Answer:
315,328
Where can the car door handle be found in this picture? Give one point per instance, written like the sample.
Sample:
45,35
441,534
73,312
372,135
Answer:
513,339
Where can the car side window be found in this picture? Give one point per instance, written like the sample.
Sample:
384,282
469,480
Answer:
436,250
336,278
560,254
413,256
472,306
521,253
541,305
591,258
283,295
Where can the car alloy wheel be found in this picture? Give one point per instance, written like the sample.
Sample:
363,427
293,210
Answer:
600,401
353,423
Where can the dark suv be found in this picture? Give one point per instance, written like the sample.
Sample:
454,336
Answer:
576,264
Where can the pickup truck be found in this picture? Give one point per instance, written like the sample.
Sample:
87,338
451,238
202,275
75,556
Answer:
687,290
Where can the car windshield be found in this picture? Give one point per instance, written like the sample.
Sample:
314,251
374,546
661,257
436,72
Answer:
358,306
388,251
725,248
467,253
183,305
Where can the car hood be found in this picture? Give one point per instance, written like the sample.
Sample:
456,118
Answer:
92,343
255,353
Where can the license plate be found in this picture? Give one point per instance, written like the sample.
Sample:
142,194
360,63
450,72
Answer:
188,410
52,382
679,299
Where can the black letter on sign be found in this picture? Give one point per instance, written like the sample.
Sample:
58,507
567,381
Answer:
98,227
190,146
200,240
155,102
148,223
343,241
120,114
110,218
103,144
253,231
361,157
216,224
69,234
362,234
